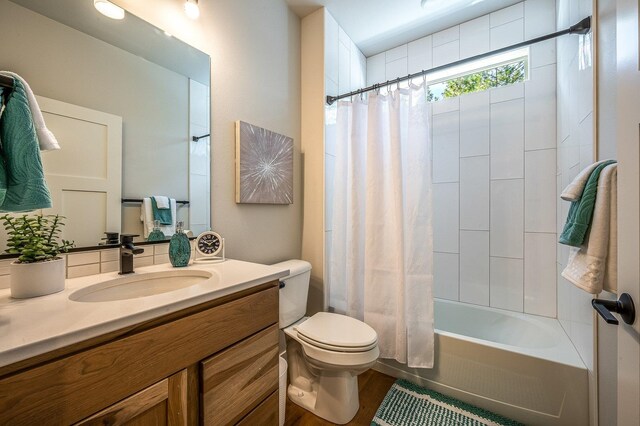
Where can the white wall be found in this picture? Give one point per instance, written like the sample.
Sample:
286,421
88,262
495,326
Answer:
255,70
494,155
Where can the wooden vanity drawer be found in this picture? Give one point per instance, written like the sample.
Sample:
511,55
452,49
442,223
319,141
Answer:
265,414
238,379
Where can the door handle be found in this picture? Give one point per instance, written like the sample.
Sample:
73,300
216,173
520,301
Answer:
623,306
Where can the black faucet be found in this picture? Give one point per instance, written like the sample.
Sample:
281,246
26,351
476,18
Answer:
127,250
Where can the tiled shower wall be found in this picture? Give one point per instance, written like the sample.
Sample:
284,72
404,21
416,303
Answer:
494,164
345,70
575,152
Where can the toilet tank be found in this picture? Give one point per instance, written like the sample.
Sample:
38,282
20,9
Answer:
293,295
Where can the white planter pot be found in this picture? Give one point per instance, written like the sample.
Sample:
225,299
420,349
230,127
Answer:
36,279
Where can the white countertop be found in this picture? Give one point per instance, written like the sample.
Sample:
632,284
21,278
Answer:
30,327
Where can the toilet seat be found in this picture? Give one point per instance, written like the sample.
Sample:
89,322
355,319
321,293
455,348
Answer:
337,332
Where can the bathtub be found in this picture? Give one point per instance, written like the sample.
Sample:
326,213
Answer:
518,365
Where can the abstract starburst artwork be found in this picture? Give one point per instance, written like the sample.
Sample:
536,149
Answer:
264,166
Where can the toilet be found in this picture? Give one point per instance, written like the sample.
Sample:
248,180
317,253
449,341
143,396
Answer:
326,352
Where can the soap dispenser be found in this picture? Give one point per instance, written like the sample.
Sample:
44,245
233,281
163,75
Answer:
179,247
156,234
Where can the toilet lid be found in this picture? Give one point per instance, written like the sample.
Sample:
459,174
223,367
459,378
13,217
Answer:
337,332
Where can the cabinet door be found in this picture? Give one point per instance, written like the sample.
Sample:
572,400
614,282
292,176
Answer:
238,379
164,403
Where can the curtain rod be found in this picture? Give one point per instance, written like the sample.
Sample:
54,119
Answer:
582,27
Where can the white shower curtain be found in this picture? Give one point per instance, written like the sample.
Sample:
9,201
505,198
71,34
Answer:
381,262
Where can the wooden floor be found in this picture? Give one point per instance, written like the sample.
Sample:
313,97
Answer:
373,387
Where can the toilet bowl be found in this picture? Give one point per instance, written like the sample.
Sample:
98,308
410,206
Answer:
326,352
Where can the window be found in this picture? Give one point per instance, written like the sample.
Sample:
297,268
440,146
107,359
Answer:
495,71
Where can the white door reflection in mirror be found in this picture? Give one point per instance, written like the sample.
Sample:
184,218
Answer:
85,175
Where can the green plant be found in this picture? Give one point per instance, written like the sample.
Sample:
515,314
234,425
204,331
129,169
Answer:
35,238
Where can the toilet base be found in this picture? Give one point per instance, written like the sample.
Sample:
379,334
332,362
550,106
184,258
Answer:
332,396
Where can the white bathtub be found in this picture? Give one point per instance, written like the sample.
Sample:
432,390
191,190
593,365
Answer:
518,365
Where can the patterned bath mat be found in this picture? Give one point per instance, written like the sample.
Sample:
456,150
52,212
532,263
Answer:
407,404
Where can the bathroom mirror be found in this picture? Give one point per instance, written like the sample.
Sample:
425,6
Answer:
125,100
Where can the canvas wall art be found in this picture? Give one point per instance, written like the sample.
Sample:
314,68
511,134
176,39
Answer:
264,166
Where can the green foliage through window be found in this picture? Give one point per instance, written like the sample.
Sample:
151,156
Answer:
494,77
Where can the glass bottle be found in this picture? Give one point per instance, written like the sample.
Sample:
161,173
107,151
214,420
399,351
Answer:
179,247
156,234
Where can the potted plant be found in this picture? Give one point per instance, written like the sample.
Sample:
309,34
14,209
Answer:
39,270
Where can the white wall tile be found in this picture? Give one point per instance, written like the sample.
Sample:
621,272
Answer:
540,109
507,34
540,191
331,51
109,255
475,37
376,69
539,18
330,166
420,55
540,274
446,53
161,259
343,37
395,69
475,115
585,136
446,147
4,266
83,270
445,276
396,53
446,105
109,267
85,258
507,140
445,217
474,193
5,281
159,249
507,276
474,267
507,218
446,36
344,68
139,262
541,54
507,14
507,93
357,69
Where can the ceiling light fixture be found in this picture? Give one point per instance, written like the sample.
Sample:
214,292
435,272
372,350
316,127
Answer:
191,9
109,9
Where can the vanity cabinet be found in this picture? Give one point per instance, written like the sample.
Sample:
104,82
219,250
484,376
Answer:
215,364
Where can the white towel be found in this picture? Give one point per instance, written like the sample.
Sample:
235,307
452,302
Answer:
46,139
146,216
162,202
593,267
573,192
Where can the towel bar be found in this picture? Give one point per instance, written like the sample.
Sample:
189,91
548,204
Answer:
137,200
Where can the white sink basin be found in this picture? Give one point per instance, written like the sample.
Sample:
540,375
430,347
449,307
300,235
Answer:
140,285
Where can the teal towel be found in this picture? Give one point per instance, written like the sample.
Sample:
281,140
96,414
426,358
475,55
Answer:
22,184
581,211
163,215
